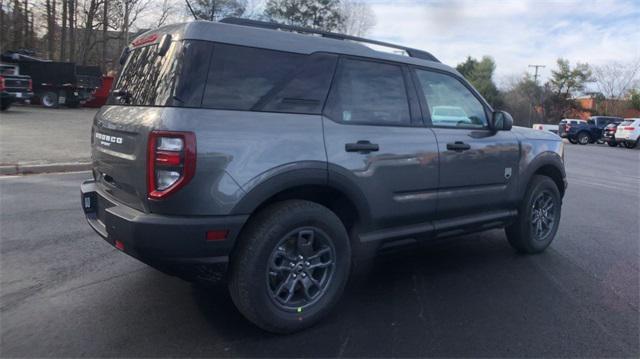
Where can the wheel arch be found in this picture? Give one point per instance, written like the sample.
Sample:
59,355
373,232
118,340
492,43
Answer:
546,164
312,184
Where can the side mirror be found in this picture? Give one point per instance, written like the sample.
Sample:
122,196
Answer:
501,121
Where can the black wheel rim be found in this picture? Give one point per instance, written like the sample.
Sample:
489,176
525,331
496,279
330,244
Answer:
543,215
300,268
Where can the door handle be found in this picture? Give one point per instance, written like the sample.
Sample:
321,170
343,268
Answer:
458,146
361,146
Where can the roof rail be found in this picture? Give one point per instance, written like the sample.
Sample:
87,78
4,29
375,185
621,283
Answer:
332,35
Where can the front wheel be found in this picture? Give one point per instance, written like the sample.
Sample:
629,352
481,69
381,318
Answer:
538,217
583,138
291,266
572,140
629,144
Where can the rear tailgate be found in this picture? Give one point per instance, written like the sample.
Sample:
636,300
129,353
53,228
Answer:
119,151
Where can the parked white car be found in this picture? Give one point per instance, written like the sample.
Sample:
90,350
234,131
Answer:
628,132
544,127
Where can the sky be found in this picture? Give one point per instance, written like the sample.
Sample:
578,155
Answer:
515,33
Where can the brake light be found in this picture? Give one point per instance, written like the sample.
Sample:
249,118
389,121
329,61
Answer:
2,83
30,85
171,162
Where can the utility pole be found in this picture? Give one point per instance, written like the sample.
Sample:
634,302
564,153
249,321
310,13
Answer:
535,80
535,75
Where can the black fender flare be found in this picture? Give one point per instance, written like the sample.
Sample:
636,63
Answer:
310,173
547,158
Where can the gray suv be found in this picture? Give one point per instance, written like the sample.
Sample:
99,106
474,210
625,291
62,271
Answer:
275,158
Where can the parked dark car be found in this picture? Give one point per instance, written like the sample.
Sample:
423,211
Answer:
277,160
591,131
13,88
565,124
609,133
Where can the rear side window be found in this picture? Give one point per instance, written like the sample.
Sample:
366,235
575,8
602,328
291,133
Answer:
306,90
191,73
369,92
241,77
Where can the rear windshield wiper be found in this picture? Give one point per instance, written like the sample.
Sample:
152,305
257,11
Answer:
122,94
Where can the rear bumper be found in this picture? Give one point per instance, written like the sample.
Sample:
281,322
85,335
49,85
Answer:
625,139
164,242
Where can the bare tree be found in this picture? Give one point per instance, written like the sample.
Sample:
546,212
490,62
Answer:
72,29
616,79
358,17
166,9
90,14
51,26
63,30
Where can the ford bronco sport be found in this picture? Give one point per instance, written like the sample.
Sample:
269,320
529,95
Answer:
271,159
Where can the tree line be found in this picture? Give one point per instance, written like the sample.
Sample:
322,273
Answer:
615,87
93,32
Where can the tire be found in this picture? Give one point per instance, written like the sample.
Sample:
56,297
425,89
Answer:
265,262
630,145
612,143
73,104
4,105
583,138
573,141
49,99
523,234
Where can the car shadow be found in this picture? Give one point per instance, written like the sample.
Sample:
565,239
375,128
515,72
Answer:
413,302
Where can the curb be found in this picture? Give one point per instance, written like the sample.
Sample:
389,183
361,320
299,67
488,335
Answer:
19,169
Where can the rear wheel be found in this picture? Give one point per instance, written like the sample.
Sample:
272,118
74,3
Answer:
574,141
612,143
583,138
4,105
291,266
49,99
538,217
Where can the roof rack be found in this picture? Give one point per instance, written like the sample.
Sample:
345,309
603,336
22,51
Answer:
332,35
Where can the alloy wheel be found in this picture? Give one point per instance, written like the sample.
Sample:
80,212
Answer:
543,215
300,268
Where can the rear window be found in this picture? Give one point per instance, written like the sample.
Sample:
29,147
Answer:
626,123
146,78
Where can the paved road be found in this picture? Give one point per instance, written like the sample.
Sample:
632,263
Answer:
65,292
36,135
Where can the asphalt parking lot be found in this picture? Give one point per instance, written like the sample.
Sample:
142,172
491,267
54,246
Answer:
65,292
34,135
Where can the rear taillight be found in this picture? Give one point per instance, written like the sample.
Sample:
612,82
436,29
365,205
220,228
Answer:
30,85
628,128
171,162
2,83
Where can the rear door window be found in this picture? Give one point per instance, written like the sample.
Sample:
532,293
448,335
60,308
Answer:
369,92
241,77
